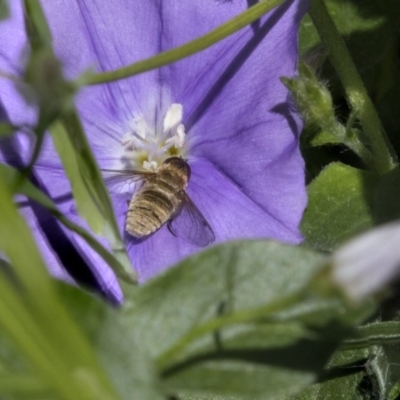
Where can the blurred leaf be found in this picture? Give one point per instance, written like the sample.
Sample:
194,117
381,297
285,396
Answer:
35,320
4,10
46,87
203,356
340,206
250,341
236,276
387,197
6,129
90,194
11,362
18,380
125,360
260,364
36,27
28,386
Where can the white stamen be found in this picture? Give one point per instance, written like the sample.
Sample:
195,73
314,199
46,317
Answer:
173,117
150,166
147,146
141,127
180,137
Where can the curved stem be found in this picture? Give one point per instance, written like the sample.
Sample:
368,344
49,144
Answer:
177,53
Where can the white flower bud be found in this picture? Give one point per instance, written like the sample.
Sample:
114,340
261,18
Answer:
367,263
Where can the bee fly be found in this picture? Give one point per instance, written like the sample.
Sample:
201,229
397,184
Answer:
162,199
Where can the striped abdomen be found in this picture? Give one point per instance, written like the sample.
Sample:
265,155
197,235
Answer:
157,201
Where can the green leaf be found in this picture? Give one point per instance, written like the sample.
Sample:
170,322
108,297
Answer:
36,27
384,362
236,276
91,196
261,362
28,305
383,366
230,322
128,365
6,129
340,206
26,386
382,339
235,321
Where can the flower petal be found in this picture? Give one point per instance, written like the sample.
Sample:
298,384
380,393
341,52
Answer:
367,263
235,107
107,36
13,53
72,253
237,111
232,214
99,270
244,123
41,225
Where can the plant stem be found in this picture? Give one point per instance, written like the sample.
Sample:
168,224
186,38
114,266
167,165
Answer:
177,53
375,136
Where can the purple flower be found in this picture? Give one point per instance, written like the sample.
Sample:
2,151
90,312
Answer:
224,110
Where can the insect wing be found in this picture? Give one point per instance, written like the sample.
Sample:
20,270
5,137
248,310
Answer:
124,181
191,225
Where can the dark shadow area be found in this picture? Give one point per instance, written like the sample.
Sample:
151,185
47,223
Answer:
304,355
295,357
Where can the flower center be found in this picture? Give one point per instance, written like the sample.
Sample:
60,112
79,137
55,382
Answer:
146,147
